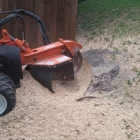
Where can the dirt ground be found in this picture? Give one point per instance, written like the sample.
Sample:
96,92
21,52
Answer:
115,115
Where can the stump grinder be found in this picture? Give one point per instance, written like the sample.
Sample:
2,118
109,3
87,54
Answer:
59,60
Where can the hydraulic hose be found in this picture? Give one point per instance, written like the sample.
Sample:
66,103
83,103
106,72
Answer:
16,13
38,20
8,18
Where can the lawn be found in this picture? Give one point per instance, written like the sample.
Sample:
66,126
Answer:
120,17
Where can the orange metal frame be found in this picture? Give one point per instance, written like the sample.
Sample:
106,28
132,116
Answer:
31,56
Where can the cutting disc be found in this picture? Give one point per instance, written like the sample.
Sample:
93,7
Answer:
77,62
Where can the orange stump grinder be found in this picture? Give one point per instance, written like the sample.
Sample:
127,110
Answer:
60,60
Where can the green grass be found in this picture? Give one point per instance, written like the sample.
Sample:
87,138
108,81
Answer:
120,17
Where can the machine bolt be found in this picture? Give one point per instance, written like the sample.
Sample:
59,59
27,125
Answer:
35,59
5,33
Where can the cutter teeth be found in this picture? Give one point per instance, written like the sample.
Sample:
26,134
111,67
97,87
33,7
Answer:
77,62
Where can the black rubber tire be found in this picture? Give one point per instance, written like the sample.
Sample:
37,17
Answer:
6,79
9,94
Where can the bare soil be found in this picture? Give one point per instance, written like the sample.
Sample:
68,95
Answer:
115,115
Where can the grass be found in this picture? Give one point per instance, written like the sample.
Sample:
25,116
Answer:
119,17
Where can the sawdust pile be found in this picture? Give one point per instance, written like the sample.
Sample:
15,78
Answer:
115,115
39,113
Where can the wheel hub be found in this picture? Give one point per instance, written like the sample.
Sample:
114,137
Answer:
3,104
